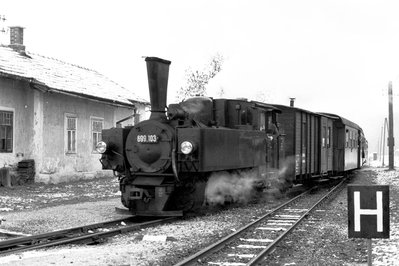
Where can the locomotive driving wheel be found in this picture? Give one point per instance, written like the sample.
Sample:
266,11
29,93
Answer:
190,196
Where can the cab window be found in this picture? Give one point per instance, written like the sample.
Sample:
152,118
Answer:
262,121
246,117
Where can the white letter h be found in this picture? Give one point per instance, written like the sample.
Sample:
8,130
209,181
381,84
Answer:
359,211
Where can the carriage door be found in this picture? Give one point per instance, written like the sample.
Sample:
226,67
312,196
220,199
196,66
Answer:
323,146
266,123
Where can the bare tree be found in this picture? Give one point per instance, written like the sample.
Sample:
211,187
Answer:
196,81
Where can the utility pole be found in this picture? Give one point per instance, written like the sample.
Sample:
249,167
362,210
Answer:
380,145
383,142
391,140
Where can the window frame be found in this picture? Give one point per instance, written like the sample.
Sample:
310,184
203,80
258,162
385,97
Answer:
12,127
67,151
95,119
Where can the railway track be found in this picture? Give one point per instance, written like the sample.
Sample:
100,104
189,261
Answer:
250,244
93,233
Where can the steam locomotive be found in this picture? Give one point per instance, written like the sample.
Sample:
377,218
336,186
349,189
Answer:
167,163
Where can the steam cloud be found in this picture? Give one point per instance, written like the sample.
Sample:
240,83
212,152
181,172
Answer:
232,187
239,187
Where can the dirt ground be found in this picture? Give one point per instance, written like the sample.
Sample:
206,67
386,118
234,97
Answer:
39,195
322,241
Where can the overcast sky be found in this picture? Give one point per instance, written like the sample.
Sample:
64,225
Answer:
332,56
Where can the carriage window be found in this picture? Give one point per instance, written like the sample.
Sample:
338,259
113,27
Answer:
347,138
323,140
350,139
328,137
356,140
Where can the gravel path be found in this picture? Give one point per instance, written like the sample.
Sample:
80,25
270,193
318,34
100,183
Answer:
326,241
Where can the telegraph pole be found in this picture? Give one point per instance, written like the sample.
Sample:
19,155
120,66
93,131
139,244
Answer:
383,142
391,140
380,145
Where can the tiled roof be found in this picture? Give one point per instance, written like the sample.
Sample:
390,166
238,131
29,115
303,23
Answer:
64,77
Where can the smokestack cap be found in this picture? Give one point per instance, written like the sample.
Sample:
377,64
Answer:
158,60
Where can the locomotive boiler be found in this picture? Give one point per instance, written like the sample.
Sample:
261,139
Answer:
164,163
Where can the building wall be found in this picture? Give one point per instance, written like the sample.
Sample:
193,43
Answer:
56,108
17,97
40,130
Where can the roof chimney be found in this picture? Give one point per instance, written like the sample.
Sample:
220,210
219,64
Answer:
292,100
17,39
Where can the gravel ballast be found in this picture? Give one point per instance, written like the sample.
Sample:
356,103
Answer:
322,240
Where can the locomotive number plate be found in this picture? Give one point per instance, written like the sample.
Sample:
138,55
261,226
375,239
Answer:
147,138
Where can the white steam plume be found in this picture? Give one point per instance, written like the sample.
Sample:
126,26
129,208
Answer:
230,187
240,187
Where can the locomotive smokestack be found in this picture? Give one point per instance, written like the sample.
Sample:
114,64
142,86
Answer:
158,73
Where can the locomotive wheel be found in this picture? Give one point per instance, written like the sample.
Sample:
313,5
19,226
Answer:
190,196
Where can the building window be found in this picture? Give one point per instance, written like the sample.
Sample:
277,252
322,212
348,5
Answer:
6,128
71,122
96,128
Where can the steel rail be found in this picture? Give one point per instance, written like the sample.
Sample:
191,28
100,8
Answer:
267,250
34,242
224,241
59,233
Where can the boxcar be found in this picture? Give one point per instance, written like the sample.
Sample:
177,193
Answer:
308,143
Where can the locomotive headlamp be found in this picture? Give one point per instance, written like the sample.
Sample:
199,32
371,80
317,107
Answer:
101,147
186,147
